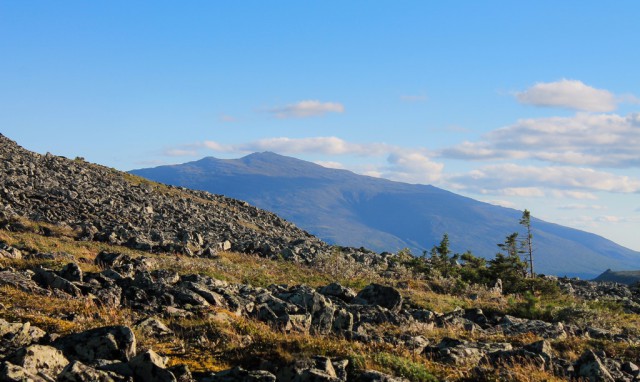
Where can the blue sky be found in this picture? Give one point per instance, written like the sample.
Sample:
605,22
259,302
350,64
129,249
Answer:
528,105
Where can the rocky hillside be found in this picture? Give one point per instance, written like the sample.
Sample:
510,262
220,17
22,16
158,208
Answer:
105,277
106,205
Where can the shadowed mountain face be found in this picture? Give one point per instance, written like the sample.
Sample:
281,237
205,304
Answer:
349,209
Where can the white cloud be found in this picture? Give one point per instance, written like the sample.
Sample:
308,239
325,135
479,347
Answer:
570,94
402,164
330,164
316,145
413,98
602,140
412,167
502,203
495,179
308,108
594,207
572,194
180,152
527,192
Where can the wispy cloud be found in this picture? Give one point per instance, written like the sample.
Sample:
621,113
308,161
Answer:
498,179
413,97
599,140
330,164
570,94
502,203
594,207
307,108
227,118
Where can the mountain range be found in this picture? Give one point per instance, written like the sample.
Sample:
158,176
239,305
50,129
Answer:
345,208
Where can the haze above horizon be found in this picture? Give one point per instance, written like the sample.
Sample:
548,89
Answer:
523,105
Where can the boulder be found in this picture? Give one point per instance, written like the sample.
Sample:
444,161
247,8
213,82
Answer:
238,374
591,367
317,369
376,376
76,371
109,342
14,373
312,302
49,279
21,281
71,272
9,252
149,366
514,326
384,296
42,359
153,327
338,291
16,335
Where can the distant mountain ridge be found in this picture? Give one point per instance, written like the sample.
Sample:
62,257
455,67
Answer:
348,209
621,277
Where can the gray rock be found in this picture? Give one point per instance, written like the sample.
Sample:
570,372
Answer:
590,366
630,368
48,279
298,323
342,321
338,291
9,252
14,373
317,369
238,374
109,342
514,326
40,359
312,302
21,281
76,371
16,335
71,272
154,328
376,376
149,366
384,296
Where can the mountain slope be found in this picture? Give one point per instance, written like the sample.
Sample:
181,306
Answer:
342,207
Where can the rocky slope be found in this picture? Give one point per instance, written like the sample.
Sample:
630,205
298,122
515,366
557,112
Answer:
165,302
110,206
106,277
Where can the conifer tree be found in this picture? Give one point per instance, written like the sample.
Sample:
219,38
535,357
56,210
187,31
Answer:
528,240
